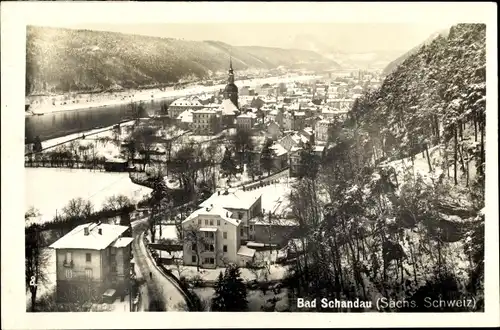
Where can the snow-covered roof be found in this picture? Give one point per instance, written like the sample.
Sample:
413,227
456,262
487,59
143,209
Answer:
319,148
205,110
76,239
273,112
242,200
122,242
247,115
186,116
227,107
279,150
213,210
116,160
357,87
183,102
301,113
246,251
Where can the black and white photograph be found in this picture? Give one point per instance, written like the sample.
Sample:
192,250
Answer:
308,166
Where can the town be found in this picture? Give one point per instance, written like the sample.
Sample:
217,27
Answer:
257,194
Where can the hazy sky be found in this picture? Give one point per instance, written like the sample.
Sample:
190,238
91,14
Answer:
364,37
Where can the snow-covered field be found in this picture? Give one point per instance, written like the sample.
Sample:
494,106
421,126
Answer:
150,94
106,132
50,189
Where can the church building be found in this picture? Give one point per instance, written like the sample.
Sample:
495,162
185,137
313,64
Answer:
229,107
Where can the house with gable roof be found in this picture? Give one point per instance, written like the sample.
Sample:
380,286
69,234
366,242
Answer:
92,259
223,222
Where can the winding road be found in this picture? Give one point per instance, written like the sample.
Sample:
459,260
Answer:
158,287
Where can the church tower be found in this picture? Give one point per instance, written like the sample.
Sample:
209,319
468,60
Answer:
231,91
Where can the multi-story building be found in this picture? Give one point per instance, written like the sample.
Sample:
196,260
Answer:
216,233
273,130
180,105
321,130
299,120
246,121
91,259
295,156
206,121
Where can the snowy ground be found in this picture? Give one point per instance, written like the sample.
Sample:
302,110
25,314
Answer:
277,272
255,298
50,189
168,232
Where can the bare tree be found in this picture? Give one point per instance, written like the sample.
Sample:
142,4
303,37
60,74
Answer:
195,239
78,208
144,139
36,260
116,202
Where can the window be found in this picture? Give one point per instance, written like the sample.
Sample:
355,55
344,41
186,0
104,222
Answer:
224,235
211,222
251,227
211,260
194,247
69,273
193,258
88,257
241,232
206,222
240,215
113,268
207,247
224,248
69,257
212,248
218,222
199,221
88,273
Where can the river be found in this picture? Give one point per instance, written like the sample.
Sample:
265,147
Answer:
54,124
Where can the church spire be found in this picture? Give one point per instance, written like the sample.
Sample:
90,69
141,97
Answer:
230,78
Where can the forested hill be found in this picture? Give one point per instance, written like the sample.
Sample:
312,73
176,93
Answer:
435,94
395,209
60,60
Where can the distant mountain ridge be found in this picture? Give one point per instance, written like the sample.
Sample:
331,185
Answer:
61,60
348,60
394,64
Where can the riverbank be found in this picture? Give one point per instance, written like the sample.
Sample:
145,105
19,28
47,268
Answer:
40,105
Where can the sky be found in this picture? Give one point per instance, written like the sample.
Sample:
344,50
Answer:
346,37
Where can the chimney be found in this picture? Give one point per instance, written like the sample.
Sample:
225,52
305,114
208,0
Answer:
86,231
218,193
99,231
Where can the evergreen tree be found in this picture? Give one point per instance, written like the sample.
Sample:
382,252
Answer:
309,163
227,164
230,291
266,157
158,203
